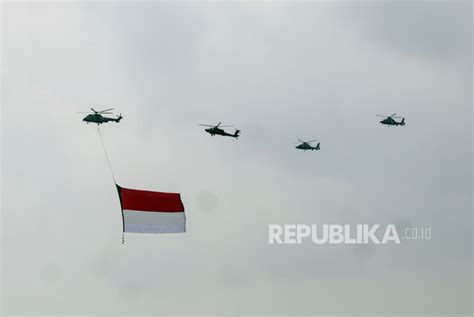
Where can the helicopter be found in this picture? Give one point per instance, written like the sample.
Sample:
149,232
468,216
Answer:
305,145
97,116
390,121
216,130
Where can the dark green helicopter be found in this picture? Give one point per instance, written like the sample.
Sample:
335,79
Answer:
97,116
216,130
390,121
305,145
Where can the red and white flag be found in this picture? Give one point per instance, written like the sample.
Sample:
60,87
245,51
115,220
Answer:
151,212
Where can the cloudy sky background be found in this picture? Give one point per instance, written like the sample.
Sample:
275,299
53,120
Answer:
279,71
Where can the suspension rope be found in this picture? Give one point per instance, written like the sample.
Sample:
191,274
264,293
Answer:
106,155
111,172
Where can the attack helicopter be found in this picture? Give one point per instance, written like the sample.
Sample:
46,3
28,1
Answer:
216,130
97,116
305,145
389,120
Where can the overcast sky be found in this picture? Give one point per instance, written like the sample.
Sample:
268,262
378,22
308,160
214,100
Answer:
279,71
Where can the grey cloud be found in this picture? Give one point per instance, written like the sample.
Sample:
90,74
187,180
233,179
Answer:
279,71
437,30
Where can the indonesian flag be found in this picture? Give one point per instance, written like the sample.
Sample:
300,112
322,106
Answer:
151,212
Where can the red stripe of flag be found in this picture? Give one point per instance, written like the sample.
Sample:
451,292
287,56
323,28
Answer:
144,200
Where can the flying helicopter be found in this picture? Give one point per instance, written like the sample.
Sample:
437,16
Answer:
97,116
305,145
390,121
216,130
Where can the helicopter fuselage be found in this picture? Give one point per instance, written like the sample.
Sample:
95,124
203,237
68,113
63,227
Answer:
391,121
99,119
217,131
305,147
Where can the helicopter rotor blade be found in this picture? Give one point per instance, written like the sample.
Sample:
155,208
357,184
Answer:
206,125
311,141
94,110
301,141
392,115
106,110
381,116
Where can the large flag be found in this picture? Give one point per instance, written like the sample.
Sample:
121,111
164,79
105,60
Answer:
151,212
